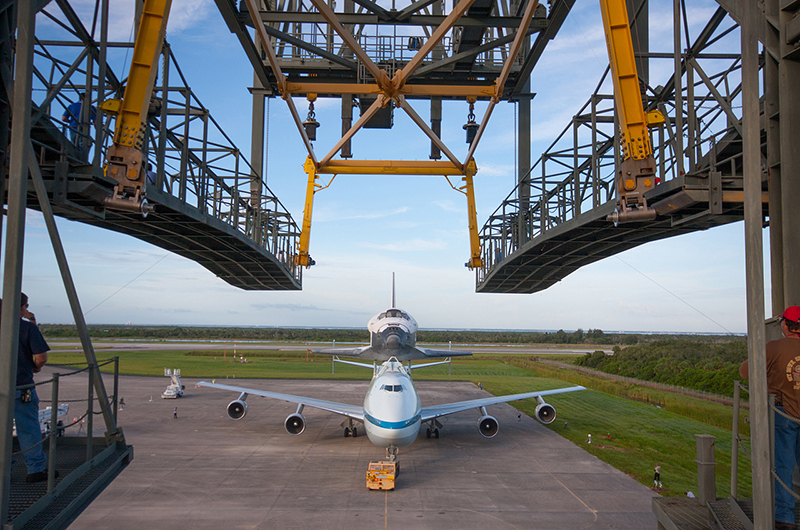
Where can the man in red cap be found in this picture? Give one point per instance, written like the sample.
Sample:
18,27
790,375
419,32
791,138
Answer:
783,380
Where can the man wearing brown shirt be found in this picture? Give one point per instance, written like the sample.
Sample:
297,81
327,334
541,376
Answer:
783,380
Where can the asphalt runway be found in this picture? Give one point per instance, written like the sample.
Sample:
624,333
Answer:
205,471
121,345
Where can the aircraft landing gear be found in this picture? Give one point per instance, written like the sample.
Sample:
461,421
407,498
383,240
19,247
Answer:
391,453
350,428
432,431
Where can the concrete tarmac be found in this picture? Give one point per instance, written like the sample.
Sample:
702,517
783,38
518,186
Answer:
205,471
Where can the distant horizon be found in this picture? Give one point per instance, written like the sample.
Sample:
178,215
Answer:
486,330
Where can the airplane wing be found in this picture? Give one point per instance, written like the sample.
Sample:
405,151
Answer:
429,413
351,411
443,353
345,352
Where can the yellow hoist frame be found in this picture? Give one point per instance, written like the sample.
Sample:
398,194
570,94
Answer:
390,167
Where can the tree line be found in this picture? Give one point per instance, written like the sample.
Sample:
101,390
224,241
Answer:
711,367
577,337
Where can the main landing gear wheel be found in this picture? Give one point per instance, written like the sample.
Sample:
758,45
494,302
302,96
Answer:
427,433
355,432
436,433
347,432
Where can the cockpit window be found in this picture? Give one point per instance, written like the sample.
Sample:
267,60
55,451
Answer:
392,388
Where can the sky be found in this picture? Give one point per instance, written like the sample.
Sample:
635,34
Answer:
365,227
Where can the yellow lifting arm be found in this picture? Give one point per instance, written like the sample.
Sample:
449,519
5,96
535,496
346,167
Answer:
636,174
125,159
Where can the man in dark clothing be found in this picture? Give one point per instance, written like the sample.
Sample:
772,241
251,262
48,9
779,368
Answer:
783,380
31,357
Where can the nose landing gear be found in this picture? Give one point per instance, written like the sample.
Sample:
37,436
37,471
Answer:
433,429
434,433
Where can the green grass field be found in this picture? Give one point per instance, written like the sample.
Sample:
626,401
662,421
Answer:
646,426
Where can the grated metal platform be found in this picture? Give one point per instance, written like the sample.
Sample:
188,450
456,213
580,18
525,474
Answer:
732,514
31,507
681,513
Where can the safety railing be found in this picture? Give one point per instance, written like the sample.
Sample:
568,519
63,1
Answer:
384,49
53,426
576,173
190,157
785,485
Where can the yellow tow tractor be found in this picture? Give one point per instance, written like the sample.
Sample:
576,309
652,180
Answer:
381,474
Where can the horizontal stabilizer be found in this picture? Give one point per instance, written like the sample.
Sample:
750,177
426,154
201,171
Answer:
406,353
344,352
443,353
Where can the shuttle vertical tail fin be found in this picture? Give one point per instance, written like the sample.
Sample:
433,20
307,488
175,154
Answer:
393,301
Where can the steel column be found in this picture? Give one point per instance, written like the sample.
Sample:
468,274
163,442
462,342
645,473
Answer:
754,272
789,80
72,293
15,237
772,60
678,49
257,142
523,155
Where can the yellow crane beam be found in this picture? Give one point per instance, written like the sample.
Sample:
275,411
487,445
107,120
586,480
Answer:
125,162
636,174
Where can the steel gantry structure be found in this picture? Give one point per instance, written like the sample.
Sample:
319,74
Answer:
480,50
726,151
571,207
163,170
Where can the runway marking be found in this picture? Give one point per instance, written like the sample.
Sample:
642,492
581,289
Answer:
386,510
594,512
490,516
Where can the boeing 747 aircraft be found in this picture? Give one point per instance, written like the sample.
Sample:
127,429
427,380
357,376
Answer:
392,413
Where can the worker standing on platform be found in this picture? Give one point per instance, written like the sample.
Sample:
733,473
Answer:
73,117
31,357
783,380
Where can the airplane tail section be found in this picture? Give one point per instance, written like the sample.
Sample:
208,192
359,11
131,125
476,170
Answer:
393,299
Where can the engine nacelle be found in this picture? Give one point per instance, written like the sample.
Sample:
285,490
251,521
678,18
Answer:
295,424
545,413
488,426
237,409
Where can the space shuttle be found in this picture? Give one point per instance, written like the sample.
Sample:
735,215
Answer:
392,333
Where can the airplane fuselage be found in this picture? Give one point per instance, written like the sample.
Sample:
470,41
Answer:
392,407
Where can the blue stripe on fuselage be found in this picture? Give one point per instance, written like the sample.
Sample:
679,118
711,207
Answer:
392,424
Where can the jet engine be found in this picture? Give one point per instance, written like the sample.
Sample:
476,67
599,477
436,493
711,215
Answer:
295,424
237,409
545,413
488,426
